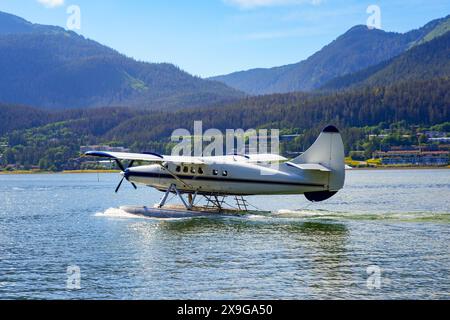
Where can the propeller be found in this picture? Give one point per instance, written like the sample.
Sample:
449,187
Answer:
125,174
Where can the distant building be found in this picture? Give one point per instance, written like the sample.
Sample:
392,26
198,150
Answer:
289,137
84,149
435,134
381,136
413,157
404,148
440,140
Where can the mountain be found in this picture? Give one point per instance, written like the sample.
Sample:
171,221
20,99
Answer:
11,24
434,31
358,49
414,102
50,67
428,60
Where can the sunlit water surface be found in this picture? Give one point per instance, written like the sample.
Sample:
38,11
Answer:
397,221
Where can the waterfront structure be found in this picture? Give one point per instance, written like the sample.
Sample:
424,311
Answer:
413,157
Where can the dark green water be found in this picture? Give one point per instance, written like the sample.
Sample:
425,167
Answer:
396,221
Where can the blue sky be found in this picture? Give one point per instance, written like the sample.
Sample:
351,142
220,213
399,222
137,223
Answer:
212,37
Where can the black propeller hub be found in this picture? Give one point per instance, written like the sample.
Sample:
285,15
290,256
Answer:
127,174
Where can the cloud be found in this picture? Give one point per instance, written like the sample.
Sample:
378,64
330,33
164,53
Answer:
249,4
51,3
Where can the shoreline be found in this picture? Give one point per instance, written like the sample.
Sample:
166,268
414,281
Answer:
399,168
24,172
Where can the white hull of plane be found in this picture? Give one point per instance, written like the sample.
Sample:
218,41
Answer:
242,180
318,173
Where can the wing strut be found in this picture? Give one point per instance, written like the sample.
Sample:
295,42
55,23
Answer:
175,176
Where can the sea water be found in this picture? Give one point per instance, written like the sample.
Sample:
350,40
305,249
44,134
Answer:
385,235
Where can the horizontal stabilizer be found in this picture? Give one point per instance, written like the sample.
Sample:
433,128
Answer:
267,157
309,166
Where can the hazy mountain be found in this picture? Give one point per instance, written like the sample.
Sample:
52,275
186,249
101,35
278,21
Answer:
358,49
50,67
429,60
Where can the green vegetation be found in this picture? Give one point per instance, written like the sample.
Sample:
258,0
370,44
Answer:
51,141
441,29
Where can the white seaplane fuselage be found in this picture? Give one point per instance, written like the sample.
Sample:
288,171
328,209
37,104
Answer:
318,173
230,178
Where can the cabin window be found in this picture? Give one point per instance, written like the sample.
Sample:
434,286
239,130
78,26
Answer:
200,170
166,166
225,173
185,169
178,169
193,170
215,172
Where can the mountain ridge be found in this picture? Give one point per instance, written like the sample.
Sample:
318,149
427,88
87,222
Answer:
49,67
357,49
425,61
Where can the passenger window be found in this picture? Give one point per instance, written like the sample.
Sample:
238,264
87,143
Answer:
185,169
215,172
225,173
193,170
200,170
178,169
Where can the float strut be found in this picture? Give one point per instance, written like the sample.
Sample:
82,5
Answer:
166,195
173,188
188,206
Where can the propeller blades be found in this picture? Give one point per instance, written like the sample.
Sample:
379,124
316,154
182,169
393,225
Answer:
120,165
120,183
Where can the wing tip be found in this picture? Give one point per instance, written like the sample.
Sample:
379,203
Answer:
97,154
153,154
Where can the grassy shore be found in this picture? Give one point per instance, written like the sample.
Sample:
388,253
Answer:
399,168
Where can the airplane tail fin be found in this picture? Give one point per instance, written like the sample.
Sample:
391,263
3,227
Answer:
328,151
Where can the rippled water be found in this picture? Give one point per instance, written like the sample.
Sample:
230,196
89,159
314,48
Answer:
398,221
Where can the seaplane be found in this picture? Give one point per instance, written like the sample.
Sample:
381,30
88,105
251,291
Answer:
318,174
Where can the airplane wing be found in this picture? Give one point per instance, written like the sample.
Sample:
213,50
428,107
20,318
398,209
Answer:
150,157
154,157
